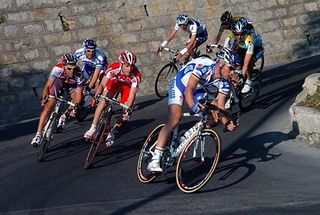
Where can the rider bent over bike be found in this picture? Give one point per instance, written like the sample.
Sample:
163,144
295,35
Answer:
198,35
123,76
66,75
200,73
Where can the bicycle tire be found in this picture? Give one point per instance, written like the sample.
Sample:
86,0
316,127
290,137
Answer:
248,99
47,137
164,79
102,128
144,175
188,169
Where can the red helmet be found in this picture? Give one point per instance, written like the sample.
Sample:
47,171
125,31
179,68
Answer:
127,57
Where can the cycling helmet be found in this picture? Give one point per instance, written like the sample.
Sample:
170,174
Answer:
127,57
230,57
69,59
182,19
226,18
89,44
240,26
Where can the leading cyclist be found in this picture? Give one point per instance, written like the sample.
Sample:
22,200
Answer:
198,74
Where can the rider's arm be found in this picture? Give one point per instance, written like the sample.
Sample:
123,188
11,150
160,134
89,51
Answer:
192,42
224,120
102,85
172,34
246,63
217,38
191,87
47,87
94,78
132,96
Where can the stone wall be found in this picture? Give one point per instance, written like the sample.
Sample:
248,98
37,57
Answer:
34,34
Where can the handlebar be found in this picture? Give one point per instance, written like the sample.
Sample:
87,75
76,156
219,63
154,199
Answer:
170,50
113,101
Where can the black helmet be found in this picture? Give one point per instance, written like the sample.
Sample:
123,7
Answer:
89,44
226,18
69,59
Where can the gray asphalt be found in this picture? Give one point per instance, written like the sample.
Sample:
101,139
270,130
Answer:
262,170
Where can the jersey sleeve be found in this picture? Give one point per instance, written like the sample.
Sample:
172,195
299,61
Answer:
176,27
55,73
193,28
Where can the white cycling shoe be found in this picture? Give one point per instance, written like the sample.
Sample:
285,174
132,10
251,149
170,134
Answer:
247,86
89,134
35,142
154,165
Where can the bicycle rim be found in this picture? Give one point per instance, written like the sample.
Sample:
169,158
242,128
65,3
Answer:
194,167
48,135
95,145
248,99
144,175
164,79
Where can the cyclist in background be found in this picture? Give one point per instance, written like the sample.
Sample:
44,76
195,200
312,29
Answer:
64,76
93,62
197,35
199,74
248,45
123,76
226,21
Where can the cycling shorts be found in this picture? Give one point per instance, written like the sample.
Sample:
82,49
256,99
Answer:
115,86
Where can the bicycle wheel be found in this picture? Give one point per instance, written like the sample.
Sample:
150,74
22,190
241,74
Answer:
99,138
144,175
48,136
164,79
247,99
198,161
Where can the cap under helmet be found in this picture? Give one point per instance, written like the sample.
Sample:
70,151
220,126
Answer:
182,19
89,44
127,57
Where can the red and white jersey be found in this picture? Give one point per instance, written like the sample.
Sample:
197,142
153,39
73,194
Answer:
114,71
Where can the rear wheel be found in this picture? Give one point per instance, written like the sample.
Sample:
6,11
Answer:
248,99
48,136
144,175
164,79
198,161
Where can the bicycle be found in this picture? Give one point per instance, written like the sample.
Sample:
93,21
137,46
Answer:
246,100
166,74
103,129
51,125
85,106
196,153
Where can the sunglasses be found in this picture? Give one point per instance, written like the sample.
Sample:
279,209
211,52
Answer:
89,50
230,67
70,68
238,34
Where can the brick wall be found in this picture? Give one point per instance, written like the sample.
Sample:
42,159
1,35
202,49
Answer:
34,34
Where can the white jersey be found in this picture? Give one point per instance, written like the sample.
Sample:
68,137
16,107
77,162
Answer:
194,27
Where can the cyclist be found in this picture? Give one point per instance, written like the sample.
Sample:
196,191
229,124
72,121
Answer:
64,76
226,21
198,35
93,61
123,76
248,45
199,73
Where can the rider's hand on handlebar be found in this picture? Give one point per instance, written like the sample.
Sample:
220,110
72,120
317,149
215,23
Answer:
230,126
196,108
208,49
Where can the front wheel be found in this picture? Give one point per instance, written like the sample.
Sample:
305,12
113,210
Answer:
198,161
249,98
48,136
144,175
98,139
164,79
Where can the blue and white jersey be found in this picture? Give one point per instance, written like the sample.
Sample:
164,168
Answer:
204,69
194,27
99,61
